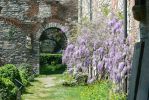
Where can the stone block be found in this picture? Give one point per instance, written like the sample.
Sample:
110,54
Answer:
7,45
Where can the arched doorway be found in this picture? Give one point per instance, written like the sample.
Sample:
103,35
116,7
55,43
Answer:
52,42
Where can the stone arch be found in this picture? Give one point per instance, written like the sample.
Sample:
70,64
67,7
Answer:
36,43
50,25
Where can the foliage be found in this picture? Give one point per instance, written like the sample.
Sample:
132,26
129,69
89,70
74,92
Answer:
68,80
96,91
24,78
47,59
101,91
10,71
100,50
117,96
105,10
8,75
53,42
26,73
7,89
51,64
77,80
81,79
69,83
52,69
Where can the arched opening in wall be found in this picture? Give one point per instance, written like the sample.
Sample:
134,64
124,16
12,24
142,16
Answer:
52,43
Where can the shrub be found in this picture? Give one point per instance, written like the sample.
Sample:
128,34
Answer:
8,75
26,73
48,59
10,71
8,90
68,80
24,78
27,68
81,79
78,79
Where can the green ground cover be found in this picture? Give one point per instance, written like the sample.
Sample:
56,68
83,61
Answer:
49,87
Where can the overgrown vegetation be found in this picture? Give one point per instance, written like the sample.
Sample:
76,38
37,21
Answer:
10,72
98,90
77,80
101,91
13,80
8,90
26,73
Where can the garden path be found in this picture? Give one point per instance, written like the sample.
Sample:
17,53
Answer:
39,88
48,87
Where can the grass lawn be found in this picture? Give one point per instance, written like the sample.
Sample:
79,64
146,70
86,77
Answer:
48,87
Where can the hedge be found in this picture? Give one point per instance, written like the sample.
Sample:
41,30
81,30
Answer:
8,90
52,69
50,59
26,73
8,75
10,71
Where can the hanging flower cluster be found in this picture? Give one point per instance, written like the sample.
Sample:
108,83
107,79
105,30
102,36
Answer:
101,50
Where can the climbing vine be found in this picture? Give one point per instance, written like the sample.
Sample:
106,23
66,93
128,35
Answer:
101,51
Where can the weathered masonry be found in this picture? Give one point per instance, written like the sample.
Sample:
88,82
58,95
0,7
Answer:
22,22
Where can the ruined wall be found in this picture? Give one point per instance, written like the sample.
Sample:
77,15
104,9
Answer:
13,41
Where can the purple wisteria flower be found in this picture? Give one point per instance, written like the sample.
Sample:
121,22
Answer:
112,22
100,66
121,66
118,78
101,47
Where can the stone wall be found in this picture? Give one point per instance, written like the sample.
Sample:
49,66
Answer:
13,41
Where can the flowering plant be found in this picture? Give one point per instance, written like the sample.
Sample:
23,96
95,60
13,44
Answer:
100,50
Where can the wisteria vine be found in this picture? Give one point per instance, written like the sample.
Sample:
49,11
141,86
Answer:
101,50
